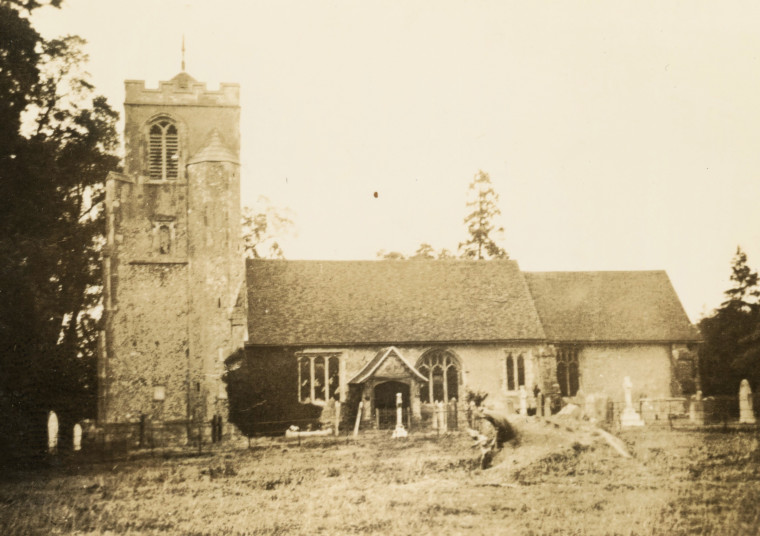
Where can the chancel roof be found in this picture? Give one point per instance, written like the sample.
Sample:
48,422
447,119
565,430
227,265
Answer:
625,306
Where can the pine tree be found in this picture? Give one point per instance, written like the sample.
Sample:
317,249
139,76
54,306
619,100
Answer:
731,348
480,222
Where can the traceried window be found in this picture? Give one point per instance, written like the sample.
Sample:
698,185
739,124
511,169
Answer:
163,150
441,369
567,370
515,372
318,378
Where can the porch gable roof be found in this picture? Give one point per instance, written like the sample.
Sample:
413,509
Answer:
377,362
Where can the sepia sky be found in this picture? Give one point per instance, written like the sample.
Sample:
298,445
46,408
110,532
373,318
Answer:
619,135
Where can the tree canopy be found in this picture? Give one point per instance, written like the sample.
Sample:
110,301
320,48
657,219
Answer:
57,144
731,349
263,226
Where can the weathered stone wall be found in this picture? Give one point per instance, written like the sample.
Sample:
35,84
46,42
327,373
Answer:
216,271
169,315
482,367
603,368
149,343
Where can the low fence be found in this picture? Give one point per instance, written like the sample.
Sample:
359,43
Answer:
119,439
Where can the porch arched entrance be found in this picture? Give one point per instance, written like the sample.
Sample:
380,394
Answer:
385,394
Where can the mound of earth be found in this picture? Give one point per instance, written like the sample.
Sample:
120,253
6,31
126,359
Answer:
540,439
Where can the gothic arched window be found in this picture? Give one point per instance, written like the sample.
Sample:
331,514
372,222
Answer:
567,370
163,150
442,371
515,372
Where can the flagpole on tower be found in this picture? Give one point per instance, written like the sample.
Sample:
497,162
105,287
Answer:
183,52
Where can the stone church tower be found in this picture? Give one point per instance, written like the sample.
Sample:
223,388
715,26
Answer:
174,291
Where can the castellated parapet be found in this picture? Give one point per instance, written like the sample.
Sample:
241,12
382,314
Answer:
173,260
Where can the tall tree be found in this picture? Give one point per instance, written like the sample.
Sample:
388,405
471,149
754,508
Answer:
480,222
61,140
730,351
264,226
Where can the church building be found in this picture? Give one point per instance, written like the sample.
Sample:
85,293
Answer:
179,300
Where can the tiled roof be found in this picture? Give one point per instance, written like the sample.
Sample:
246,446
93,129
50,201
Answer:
610,306
214,150
388,302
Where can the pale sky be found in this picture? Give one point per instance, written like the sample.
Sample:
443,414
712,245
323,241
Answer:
619,135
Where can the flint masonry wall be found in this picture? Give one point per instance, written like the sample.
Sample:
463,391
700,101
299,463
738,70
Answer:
275,387
171,317
603,368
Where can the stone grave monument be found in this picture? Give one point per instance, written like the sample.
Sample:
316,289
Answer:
746,413
629,417
399,431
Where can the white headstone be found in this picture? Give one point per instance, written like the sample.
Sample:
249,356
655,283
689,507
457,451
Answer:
627,385
52,428
77,437
746,415
629,417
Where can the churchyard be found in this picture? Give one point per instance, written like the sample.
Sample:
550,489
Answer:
559,479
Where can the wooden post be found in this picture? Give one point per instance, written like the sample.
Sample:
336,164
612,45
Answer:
377,418
337,418
358,418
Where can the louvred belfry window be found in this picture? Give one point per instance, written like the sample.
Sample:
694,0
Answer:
163,150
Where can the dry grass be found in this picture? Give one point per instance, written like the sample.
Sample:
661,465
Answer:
677,483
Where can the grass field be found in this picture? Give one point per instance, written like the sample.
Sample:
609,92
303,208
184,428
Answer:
677,482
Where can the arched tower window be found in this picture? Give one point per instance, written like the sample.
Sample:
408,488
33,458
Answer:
441,369
163,150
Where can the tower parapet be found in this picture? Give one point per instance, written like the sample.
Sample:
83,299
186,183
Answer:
182,89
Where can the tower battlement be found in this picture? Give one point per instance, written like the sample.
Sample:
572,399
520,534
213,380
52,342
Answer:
183,89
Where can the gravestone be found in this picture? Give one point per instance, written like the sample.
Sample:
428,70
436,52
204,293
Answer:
399,431
746,415
77,437
697,409
523,401
629,417
52,429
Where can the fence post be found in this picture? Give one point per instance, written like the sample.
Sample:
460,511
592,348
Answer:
337,418
358,418
200,436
